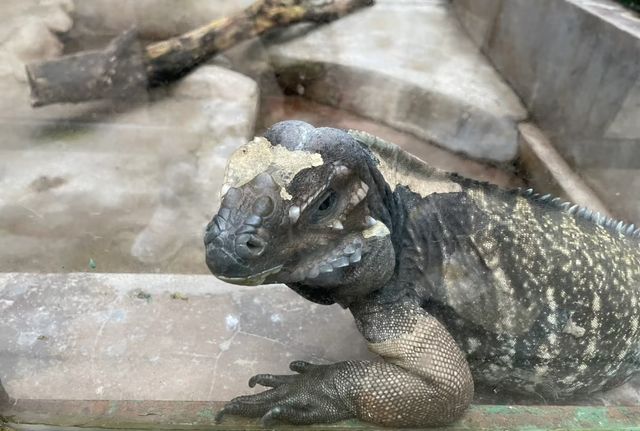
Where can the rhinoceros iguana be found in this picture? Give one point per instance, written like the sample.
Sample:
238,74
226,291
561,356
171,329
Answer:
450,280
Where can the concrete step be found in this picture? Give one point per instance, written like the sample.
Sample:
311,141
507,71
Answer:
157,337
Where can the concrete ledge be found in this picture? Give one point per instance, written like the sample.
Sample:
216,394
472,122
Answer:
411,66
576,66
548,172
574,63
157,336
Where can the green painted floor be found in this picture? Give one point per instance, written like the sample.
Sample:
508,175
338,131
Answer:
199,415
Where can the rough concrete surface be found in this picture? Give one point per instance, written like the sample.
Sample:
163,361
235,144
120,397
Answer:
28,32
157,337
130,186
157,19
410,65
575,63
547,171
576,66
172,337
621,186
110,186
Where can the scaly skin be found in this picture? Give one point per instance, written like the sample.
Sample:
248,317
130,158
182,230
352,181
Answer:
447,278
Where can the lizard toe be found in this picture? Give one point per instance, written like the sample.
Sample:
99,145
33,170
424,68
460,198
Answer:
249,405
302,366
269,380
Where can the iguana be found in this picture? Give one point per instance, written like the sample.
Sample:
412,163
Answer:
450,280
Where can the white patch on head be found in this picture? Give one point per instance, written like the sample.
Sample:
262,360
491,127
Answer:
401,168
420,185
294,213
260,156
336,224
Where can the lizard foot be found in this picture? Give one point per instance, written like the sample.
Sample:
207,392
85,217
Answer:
310,396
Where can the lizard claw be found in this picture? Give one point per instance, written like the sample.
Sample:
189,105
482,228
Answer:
271,417
218,418
296,399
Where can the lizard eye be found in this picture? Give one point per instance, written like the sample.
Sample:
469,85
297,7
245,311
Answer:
325,207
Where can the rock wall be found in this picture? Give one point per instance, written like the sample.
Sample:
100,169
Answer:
110,186
576,66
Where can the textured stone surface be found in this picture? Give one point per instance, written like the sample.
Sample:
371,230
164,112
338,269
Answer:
156,19
410,65
575,63
124,187
129,187
549,173
159,337
28,32
621,186
172,337
576,66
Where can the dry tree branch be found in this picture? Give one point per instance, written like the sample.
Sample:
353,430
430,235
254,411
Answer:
125,66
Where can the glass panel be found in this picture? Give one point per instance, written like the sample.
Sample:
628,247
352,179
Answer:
138,155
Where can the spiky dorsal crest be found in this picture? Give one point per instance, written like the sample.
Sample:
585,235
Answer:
583,213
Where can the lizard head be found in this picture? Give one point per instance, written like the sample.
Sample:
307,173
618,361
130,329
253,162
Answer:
307,207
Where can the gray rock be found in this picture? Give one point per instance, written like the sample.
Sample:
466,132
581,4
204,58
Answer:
28,33
155,19
130,187
409,65
157,337
626,123
576,66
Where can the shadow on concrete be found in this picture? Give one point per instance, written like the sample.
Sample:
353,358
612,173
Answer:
4,398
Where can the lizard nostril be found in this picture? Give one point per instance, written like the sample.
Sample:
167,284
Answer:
250,246
253,245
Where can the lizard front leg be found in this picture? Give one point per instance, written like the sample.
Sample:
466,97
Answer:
424,380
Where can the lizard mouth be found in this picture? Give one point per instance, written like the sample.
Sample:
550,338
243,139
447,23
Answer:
252,280
341,257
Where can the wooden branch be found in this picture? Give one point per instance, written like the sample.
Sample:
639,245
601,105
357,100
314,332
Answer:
125,66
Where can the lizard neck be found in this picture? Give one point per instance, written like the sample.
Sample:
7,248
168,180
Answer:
431,229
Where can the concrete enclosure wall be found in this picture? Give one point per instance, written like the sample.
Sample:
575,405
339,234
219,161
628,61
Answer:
576,66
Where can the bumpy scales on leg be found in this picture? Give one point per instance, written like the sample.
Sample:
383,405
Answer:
423,381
